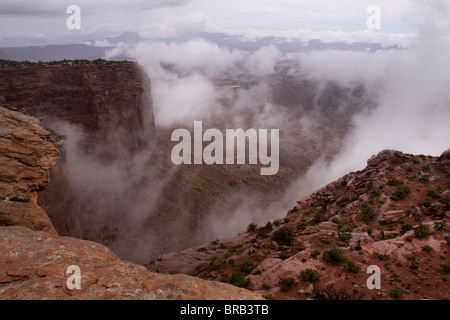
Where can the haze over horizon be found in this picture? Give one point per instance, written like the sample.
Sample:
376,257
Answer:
33,23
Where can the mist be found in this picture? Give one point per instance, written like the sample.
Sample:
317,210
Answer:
334,108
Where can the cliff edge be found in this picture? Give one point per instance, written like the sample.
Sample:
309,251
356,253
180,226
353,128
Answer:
35,261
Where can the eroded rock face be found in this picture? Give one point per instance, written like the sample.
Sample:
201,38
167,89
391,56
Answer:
34,266
27,152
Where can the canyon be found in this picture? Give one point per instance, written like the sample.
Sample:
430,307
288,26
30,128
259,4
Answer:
87,169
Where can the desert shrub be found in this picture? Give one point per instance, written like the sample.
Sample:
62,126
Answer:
396,160
427,248
269,296
422,231
441,225
262,232
394,182
276,223
375,192
266,286
231,262
446,202
334,255
401,193
424,178
344,236
432,193
445,267
302,227
426,168
286,283
406,227
427,202
414,265
367,212
396,293
315,254
309,275
246,266
251,227
330,293
238,279
318,218
351,266
284,236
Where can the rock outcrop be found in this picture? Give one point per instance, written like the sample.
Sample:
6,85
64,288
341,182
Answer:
393,214
35,266
27,152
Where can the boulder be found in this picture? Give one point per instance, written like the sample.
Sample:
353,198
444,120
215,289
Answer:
391,216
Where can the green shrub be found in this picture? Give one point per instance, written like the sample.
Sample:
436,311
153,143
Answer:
344,236
375,192
422,231
262,232
351,266
424,178
396,293
251,227
246,266
238,279
427,248
432,193
441,225
309,275
401,193
445,267
394,182
286,283
427,202
367,212
334,255
414,265
284,236
268,296
446,202
315,254
396,160
318,218
266,286
406,227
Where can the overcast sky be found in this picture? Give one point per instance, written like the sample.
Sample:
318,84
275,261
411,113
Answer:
46,19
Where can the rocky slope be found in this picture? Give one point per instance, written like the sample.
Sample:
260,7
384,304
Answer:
394,214
34,260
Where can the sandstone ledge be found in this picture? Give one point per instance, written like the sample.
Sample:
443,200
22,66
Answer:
34,266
